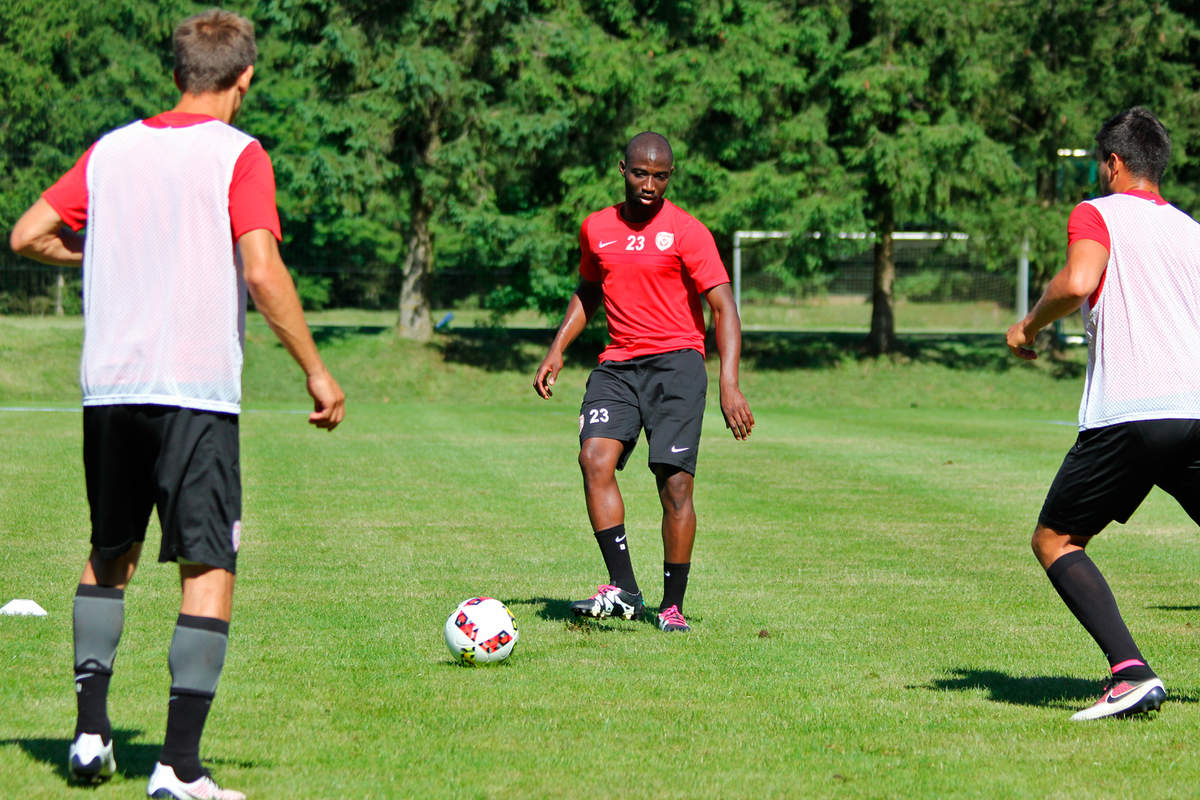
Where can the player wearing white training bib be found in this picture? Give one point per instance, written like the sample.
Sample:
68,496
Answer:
1133,265
180,216
1144,326
188,352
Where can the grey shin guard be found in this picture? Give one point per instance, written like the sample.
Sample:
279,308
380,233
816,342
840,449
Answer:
196,658
198,654
98,616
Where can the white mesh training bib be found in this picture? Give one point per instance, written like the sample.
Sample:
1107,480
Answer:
164,298
1144,330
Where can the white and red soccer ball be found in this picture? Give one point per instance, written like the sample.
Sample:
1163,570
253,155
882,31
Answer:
481,631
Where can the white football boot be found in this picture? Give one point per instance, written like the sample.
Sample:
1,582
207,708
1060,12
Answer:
165,785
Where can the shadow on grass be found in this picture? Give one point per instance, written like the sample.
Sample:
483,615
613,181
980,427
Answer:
965,351
133,760
1176,608
558,609
324,334
1041,690
551,608
521,349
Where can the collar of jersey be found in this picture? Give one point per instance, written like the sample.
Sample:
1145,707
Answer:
176,119
1142,193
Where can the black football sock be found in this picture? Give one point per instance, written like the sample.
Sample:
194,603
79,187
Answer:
197,656
675,578
97,616
186,715
1084,590
1133,670
615,550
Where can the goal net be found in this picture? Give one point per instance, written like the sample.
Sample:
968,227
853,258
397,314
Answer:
787,281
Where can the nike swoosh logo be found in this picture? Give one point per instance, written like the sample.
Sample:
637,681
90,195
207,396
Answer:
606,244
1113,697
621,539
675,449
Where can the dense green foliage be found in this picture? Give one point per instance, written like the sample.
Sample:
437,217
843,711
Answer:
434,150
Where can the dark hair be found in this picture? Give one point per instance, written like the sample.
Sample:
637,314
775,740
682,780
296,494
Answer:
1139,139
648,140
212,49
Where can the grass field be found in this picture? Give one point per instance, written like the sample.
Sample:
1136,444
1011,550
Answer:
867,618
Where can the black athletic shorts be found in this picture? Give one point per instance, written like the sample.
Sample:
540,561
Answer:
1109,471
183,461
663,393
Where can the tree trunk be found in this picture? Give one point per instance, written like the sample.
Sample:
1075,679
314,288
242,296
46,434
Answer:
414,321
882,338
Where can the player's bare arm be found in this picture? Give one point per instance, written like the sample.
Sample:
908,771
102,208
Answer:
275,297
40,234
728,328
1086,262
580,308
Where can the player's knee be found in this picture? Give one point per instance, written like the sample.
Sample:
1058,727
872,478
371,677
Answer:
595,463
1042,541
676,492
1035,544
115,571
1049,545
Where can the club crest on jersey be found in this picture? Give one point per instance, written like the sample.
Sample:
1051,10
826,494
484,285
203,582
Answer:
664,239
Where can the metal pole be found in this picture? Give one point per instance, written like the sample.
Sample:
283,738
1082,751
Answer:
737,270
1023,279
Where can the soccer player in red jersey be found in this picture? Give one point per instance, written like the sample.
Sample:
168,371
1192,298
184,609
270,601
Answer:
649,262
181,221
1133,266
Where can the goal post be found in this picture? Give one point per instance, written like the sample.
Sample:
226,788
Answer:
738,237
938,277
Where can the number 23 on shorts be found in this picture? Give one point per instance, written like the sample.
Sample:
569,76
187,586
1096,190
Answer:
593,416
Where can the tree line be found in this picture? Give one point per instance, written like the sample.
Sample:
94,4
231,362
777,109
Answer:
421,146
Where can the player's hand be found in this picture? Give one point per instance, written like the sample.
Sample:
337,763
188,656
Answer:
329,401
1019,342
547,373
736,411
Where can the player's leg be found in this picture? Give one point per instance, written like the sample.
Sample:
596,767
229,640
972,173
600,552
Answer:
118,455
196,659
673,395
675,488
1103,478
97,620
598,458
609,424
200,510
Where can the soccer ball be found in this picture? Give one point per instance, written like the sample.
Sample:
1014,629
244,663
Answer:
481,631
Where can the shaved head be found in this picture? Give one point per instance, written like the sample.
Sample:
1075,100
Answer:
650,146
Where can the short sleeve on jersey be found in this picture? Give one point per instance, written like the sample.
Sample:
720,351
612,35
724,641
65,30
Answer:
703,262
69,194
589,267
1086,222
252,194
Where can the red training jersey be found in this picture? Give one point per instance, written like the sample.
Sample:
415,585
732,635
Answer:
251,189
652,274
1085,222
163,201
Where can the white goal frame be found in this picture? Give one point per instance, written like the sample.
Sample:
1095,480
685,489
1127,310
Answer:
917,236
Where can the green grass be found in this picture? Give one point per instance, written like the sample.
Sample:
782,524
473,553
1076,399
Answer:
868,620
